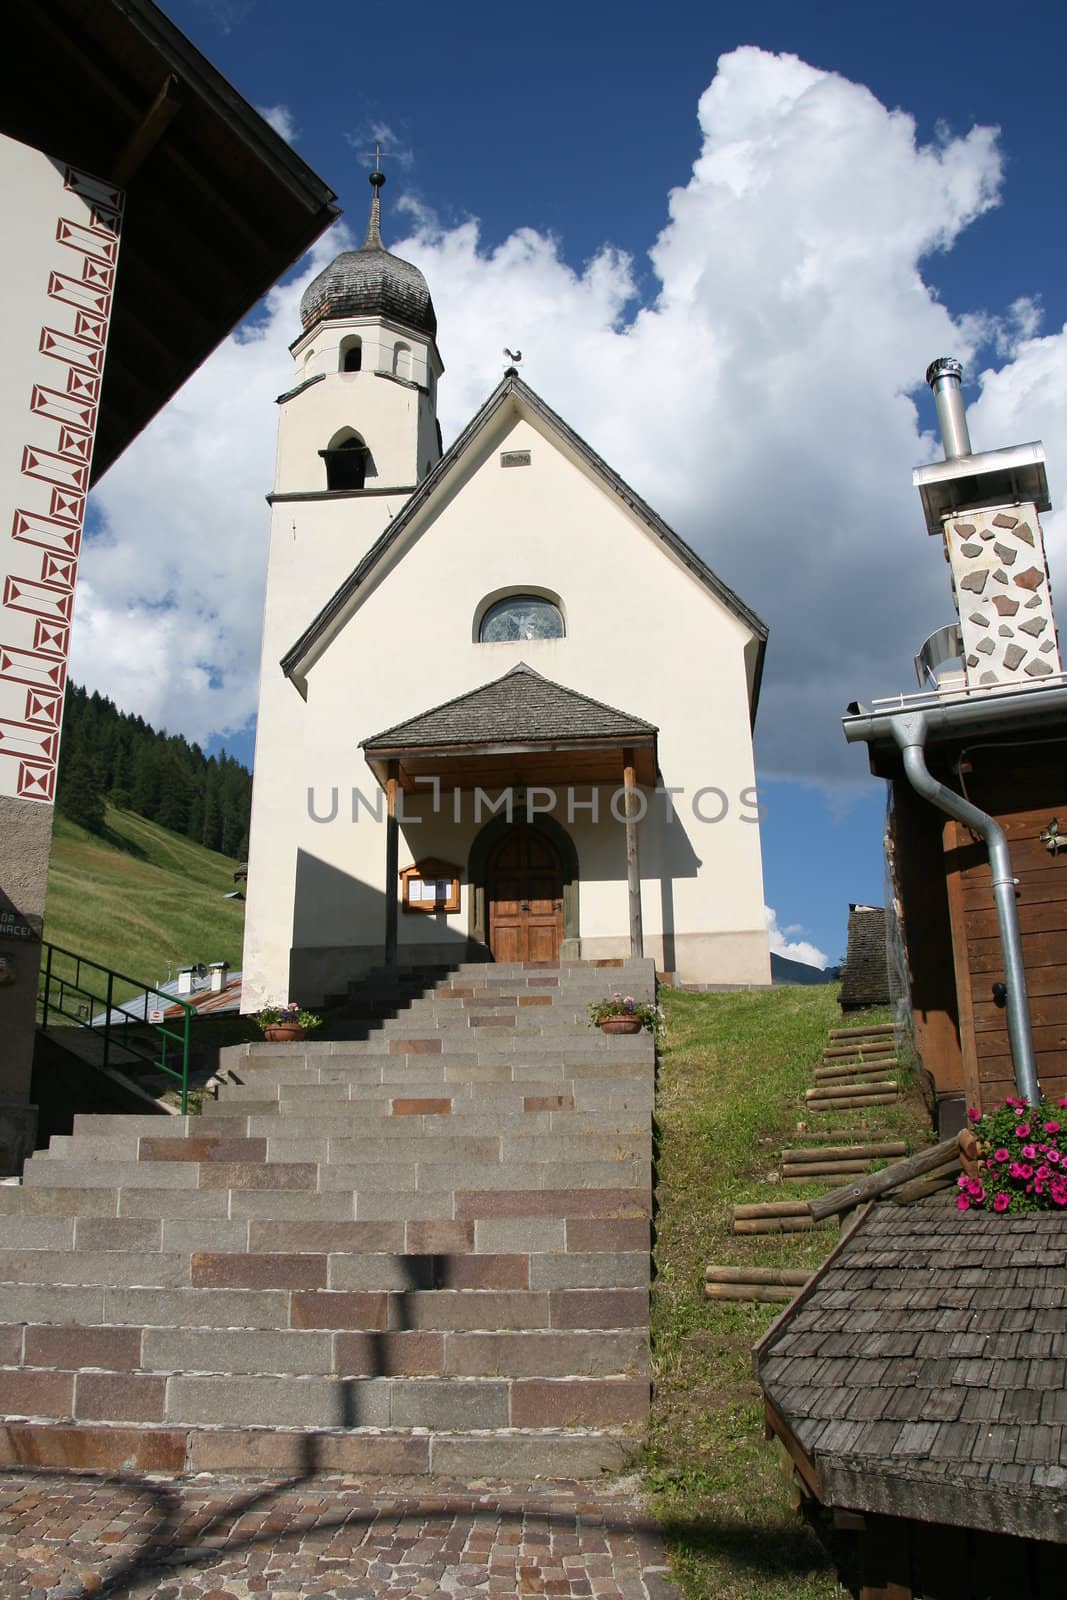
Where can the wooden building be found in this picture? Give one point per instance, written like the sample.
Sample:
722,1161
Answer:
919,1387
982,747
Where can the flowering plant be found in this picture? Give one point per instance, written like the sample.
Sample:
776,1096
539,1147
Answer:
271,1016
649,1016
1024,1159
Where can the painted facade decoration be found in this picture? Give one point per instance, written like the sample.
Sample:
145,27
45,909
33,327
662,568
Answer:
509,636
70,226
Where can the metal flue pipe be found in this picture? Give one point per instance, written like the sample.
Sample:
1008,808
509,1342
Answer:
944,377
909,730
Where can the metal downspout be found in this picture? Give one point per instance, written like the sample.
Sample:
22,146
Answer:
909,731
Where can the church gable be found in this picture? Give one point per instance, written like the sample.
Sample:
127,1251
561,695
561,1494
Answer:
524,478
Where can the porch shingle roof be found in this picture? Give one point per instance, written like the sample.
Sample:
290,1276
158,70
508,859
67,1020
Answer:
924,1370
522,707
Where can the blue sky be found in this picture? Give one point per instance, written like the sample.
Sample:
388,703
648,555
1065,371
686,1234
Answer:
816,238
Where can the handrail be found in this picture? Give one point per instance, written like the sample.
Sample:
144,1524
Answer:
57,988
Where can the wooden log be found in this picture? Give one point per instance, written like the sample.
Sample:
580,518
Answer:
881,1182
847,1152
845,1091
772,1208
941,1178
837,1052
767,1225
795,1277
747,1291
818,1170
880,1028
828,1135
854,1105
856,1069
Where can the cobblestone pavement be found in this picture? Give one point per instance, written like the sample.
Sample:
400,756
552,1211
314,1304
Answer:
71,1536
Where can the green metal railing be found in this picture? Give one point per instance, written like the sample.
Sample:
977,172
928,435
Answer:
139,1028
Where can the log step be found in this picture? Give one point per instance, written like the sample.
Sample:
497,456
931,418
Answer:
784,1277
857,1051
856,1069
749,1291
820,1171
883,1151
766,1225
860,1104
850,1091
771,1208
875,1030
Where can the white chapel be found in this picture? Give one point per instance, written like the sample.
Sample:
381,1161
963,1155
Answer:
505,712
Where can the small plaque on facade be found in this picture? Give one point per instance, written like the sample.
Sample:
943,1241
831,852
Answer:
514,458
13,925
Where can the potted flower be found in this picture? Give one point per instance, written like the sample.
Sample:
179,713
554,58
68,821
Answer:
280,1024
624,1014
1014,1158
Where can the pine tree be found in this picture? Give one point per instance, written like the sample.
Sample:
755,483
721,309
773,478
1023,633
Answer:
80,795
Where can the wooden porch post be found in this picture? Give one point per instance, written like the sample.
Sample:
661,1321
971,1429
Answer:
392,862
633,865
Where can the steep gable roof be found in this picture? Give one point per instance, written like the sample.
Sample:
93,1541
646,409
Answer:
510,391
521,707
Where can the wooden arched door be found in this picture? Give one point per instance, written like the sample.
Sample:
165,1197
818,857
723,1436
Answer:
524,891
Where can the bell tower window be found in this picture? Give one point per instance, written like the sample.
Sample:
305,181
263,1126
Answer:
352,355
346,463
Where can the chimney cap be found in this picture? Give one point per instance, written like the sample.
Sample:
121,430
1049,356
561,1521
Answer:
943,367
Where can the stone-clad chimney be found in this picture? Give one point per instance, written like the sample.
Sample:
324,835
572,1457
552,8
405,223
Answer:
986,508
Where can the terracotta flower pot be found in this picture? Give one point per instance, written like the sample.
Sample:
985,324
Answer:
620,1024
284,1032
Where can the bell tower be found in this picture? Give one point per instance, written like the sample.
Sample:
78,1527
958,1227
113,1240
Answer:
361,418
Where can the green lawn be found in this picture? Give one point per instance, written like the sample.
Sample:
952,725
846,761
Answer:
140,899
732,1076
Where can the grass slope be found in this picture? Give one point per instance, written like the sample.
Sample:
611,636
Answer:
731,1081
140,899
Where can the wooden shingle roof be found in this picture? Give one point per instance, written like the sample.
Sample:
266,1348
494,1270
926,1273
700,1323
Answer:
923,1371
522,707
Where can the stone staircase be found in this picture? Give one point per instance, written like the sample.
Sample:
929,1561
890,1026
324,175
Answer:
424,1248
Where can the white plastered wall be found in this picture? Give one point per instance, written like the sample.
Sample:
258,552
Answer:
643,635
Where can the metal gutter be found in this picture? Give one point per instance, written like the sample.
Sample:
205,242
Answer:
909,731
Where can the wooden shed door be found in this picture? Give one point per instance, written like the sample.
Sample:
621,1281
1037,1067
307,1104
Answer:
524,888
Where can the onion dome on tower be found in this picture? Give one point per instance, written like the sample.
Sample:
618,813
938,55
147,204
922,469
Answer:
370,282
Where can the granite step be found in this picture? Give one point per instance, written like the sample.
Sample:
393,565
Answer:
428,1238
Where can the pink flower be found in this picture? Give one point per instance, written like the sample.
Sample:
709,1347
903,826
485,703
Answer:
1001,1155
963,1204
1029,1152
962,1181
1001,1202
974,1114
1051,1127
977,1194
1023,1131
1053,1156
1019,1169
1061,1102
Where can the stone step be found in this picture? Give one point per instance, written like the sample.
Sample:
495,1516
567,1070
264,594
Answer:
569,1044
349,1148
340,1122
298,1400
431,1310
124,1263
537,1353
519,1453
404,1073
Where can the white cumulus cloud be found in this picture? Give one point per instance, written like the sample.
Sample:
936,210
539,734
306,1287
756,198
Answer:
783,943
761,400
281,120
